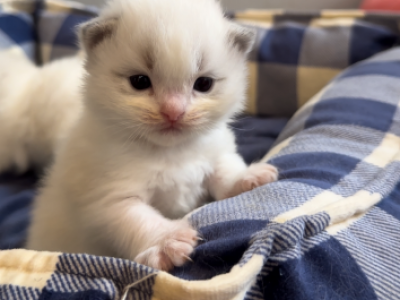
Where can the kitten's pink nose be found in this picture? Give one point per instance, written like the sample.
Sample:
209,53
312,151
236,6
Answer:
172,116
173,109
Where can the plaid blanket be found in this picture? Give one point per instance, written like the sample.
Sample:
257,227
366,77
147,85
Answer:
328,229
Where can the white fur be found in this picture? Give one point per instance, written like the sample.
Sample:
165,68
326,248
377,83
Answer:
119,184
37,107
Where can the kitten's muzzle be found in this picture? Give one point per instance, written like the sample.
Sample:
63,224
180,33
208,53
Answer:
172,109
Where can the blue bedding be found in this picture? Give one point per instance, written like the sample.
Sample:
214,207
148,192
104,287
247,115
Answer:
16,195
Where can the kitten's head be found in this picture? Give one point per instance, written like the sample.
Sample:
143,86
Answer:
165,71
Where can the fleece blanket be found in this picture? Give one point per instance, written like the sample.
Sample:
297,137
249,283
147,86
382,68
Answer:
328,229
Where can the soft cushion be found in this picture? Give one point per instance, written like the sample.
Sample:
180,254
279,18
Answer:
329,227
297,54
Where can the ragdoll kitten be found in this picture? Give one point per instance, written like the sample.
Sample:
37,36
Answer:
38,106
152,141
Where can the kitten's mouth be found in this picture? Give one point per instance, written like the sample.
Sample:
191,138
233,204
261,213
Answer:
171,128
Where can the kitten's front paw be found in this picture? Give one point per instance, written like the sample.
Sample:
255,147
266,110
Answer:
256,175
173,249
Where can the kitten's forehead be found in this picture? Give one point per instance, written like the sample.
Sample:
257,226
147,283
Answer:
178,37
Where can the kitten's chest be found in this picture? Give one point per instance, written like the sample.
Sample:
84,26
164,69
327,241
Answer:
180,188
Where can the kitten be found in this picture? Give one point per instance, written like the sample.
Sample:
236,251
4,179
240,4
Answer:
38,106
151,142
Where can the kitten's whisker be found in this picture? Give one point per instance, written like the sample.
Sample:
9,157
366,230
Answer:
127,140
240,119
242,129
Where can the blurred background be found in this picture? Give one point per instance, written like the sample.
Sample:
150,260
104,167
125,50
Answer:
286,4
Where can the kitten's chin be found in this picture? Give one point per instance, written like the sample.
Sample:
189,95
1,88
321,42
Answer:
170,137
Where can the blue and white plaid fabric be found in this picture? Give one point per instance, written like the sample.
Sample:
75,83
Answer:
297,54
57,23
328,229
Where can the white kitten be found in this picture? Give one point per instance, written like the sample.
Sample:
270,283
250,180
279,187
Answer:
152,142
38,106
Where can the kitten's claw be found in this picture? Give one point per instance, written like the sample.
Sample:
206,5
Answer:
173,249
187,258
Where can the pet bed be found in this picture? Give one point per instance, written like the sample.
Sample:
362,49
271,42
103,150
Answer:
328,229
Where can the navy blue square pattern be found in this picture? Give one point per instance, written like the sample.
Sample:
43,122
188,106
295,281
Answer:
282,44
320,169
353,111
17,28
368,39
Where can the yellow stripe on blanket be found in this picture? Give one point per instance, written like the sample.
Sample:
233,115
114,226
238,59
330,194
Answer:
322,22
311,80
386,152
230,286
251,104
26,268
278,148
258,14
349,13
256,23
8,6
343,211
311,207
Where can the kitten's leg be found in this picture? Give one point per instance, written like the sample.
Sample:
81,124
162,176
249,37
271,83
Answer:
140,233
232,177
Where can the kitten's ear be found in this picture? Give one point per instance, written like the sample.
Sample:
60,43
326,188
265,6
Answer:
95,31
241,37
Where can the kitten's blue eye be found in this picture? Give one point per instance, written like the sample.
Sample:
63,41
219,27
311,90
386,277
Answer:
203,84
140,82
